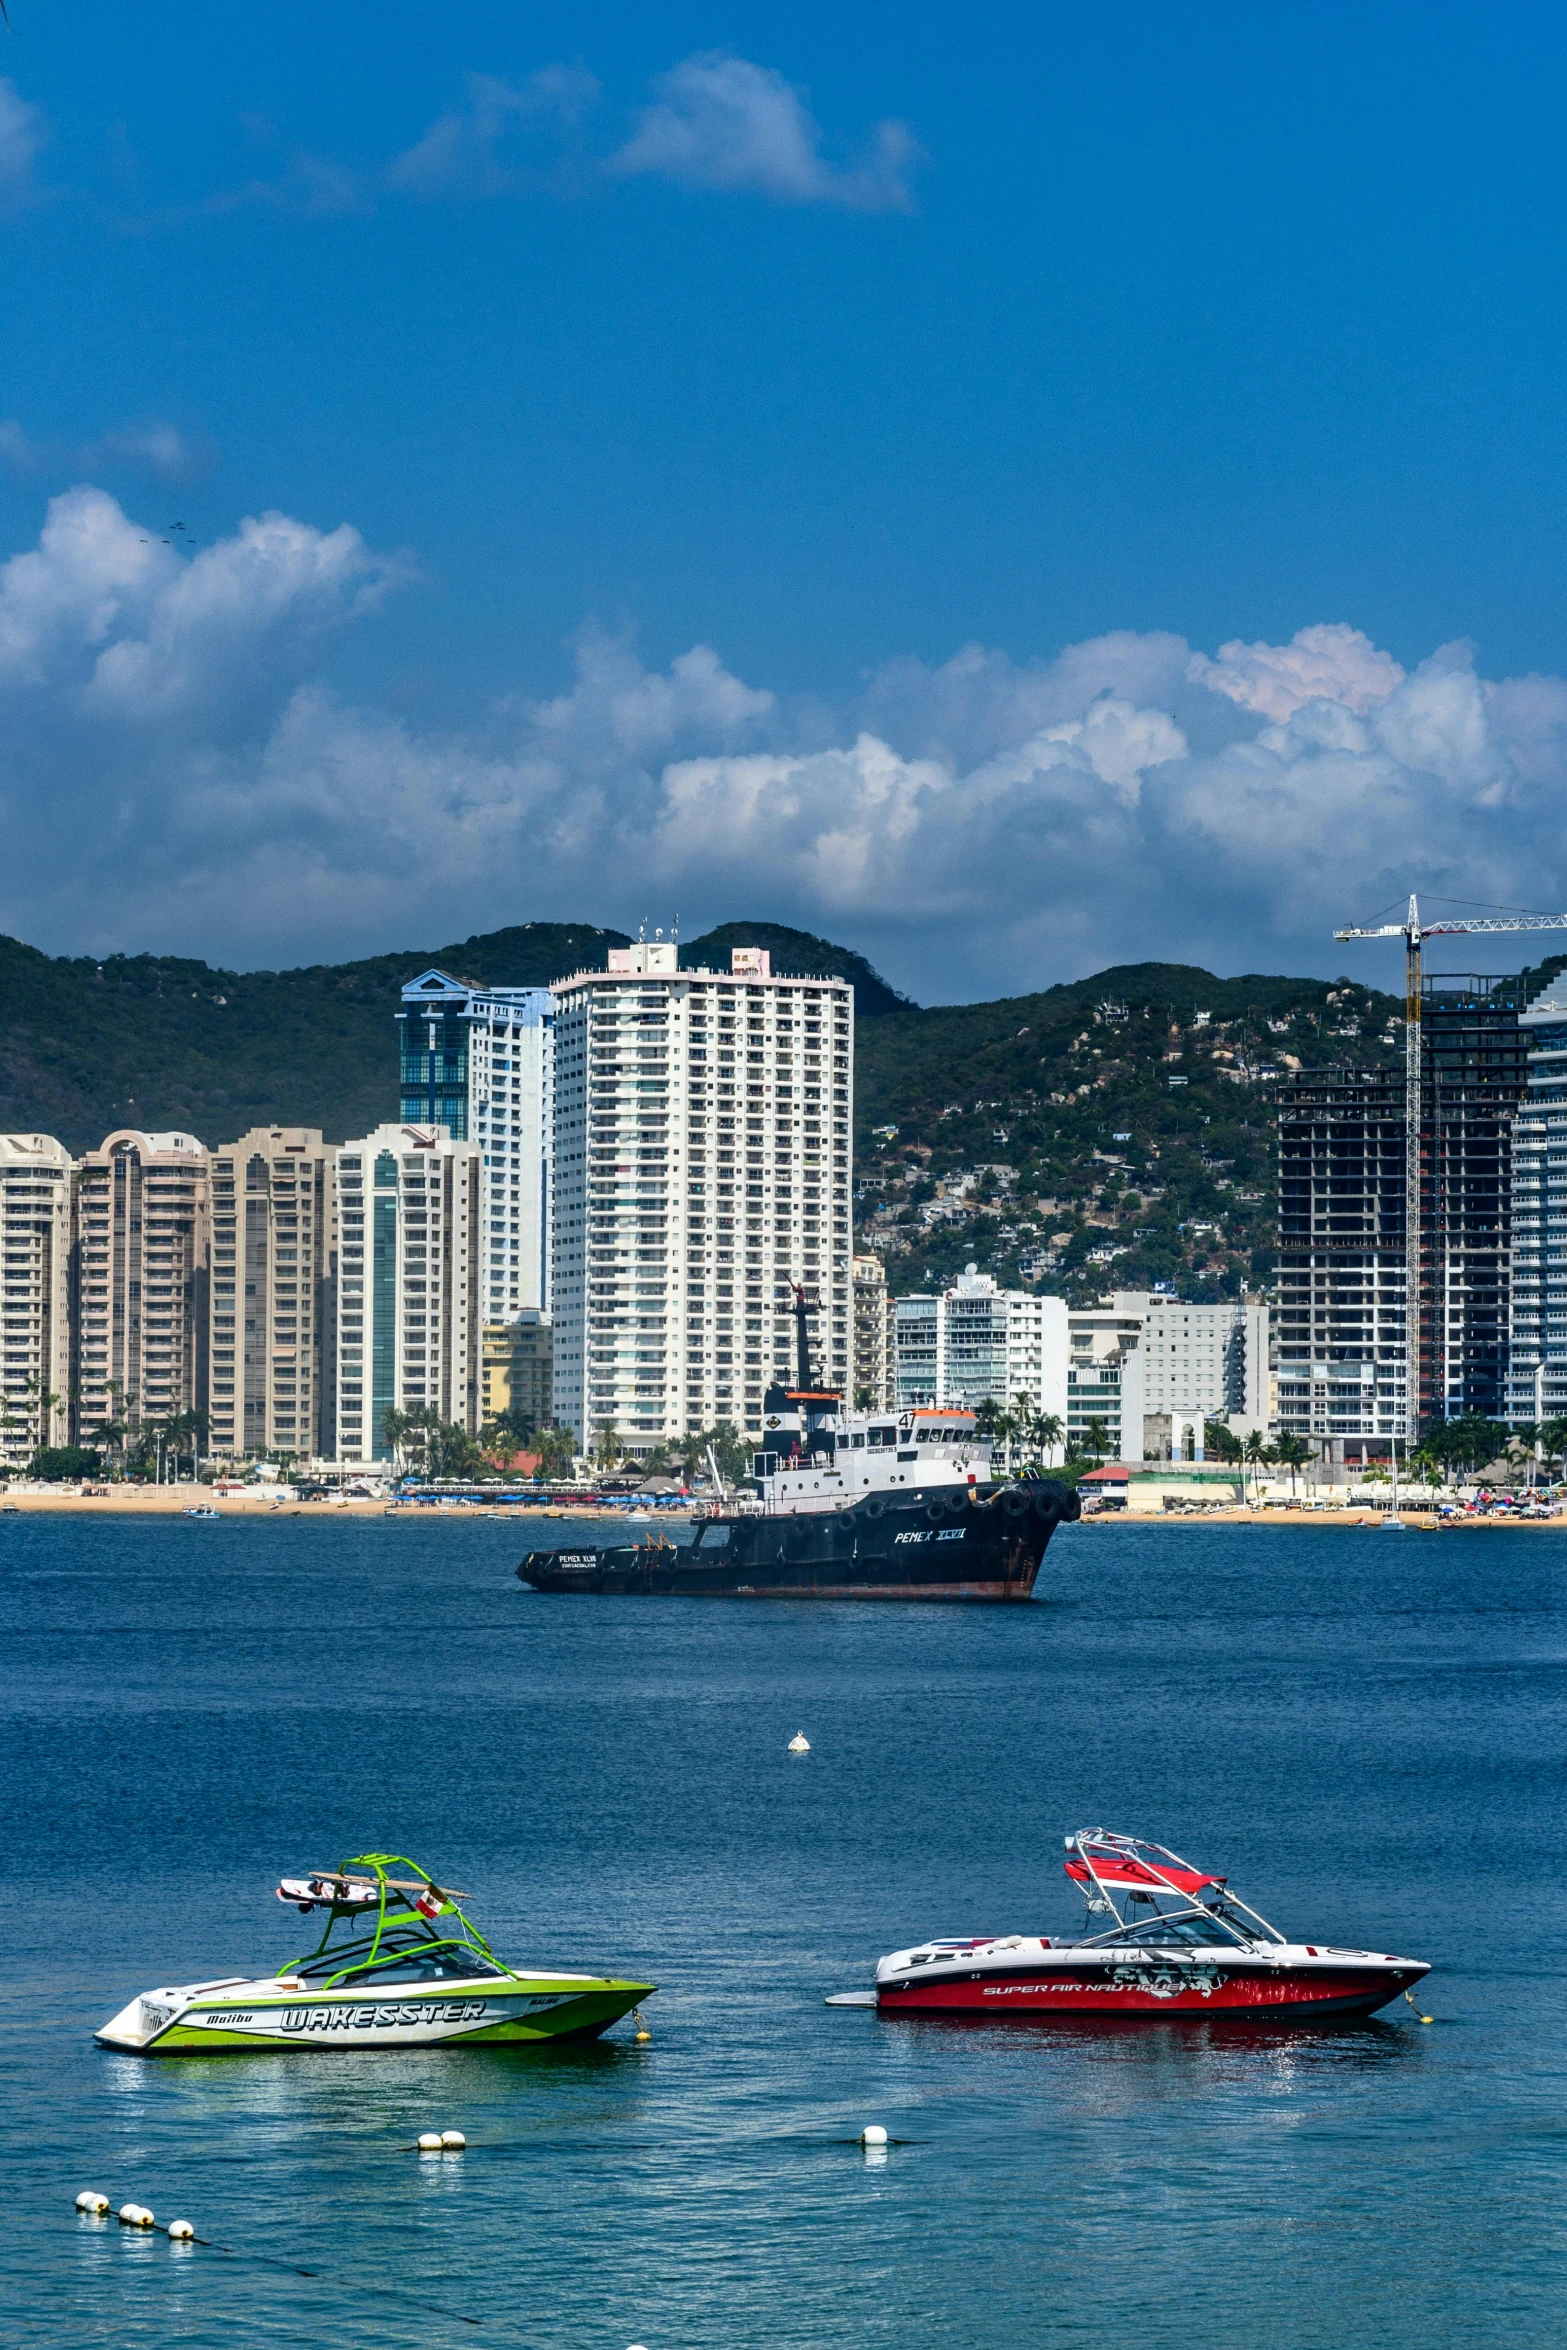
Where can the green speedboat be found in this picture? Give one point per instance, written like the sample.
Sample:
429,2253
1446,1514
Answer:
397,1966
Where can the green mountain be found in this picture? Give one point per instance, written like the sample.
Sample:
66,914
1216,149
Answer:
1109,1133
1042,1131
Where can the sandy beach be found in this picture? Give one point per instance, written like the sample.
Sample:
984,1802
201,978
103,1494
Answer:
172,1500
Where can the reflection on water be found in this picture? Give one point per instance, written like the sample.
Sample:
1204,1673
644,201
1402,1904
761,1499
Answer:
181,1723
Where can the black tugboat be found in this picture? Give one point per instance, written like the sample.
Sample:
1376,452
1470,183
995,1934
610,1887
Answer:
873,1505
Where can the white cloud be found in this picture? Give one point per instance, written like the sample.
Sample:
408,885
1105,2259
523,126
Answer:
1332,663
716,122
22,137
152,446
470,151
720,122
979,827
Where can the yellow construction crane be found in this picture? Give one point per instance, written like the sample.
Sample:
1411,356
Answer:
1414,934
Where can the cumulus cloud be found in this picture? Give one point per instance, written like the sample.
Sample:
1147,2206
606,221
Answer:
1332,663
718,121
23,134
981,826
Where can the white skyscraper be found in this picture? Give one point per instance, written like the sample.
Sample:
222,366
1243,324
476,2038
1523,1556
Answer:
35,1205
408,1314
478,1061
702,1164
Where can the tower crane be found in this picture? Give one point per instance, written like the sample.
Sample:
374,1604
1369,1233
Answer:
1414,934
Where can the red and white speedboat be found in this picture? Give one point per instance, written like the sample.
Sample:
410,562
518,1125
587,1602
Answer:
1175,1941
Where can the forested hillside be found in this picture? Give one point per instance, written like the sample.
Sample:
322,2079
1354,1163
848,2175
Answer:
1116,1130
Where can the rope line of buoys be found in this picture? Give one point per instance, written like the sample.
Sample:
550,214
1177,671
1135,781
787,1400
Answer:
91,2205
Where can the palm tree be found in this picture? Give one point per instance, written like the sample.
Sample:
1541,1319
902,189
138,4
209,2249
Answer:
1553,1441
1004,1429
1257,1454
1524,1445
1292,1453
556,1448
1096,1440
609,1446
1049,1431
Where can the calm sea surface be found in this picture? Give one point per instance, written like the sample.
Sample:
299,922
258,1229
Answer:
1369,1735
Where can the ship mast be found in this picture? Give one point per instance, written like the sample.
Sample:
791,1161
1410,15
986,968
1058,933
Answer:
805,1303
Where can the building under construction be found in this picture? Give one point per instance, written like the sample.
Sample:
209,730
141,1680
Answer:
1343,1372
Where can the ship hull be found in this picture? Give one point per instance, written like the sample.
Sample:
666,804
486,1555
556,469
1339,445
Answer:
1152,1987
936,1543
259,2019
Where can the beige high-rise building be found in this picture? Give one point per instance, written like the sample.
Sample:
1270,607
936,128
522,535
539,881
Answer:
271,1319
516,1372
35,1216
702,1164
141,1248
873,1348
410,1233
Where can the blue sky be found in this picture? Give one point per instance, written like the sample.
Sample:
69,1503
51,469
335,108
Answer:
808,465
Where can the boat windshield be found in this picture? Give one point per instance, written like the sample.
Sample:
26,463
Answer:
402,1958
1197,1926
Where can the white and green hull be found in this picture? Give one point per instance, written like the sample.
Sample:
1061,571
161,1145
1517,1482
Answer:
235,2018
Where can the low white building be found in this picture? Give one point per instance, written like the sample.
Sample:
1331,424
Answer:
976,1343
409,1318
1154,1370
1104,1380
1204,1363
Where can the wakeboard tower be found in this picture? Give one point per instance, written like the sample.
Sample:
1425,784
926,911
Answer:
1169,1940
398,1965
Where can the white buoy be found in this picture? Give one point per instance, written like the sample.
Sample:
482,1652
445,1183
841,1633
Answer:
429,2141
134,2215
90,2200
453,2141
181,2230
799,1743
873,2135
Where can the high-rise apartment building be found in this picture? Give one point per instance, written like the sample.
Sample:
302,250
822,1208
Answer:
702,1164
141,1250
872,1339
1340,1318
479,1061
35,1219
409,1225
978,1343
270,1318
1537,1384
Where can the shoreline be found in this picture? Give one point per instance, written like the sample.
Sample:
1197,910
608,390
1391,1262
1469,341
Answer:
1421,1521
173,1500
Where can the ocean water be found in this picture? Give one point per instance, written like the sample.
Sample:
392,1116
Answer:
1368,1735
